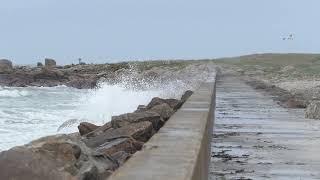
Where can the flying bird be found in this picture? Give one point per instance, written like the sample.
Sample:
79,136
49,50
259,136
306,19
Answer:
290,37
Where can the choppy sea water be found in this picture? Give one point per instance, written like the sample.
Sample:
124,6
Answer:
33,112
29,113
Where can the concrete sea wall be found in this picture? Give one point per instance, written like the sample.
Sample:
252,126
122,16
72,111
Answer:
181,148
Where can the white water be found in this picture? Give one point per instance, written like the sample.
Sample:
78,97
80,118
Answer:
32,112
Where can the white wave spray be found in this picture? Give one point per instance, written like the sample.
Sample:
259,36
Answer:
31,112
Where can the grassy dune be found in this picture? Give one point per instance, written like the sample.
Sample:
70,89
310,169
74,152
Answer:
269,66
288,66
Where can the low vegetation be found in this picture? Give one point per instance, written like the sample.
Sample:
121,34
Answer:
280,66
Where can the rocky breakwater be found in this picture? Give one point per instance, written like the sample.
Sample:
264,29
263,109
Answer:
93,153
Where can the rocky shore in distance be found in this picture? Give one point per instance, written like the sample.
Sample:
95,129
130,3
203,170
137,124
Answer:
86,76
93,153
80,76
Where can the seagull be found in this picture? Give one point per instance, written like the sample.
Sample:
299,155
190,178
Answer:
290,37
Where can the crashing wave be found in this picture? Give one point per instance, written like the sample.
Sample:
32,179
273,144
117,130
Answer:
10,92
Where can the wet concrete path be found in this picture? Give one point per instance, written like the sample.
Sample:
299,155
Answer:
255,138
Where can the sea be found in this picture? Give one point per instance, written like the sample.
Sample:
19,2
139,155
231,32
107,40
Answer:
29,113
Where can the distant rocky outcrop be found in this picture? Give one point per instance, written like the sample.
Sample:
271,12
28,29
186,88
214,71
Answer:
49,63
5,66
90,75
48,77
39,64
93,153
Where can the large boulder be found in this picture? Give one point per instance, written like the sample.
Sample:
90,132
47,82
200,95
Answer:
141,108
128,118
121,156
141,131
173,103
313,110
49,63
82,82
100,130
85,128
49,74
5,65
39,64
164,110
54,158
126,144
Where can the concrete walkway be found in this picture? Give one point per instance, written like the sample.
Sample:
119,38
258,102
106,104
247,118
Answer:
254,138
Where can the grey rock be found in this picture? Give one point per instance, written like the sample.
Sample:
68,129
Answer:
82,82
126,144
164,110
5,65
49,63
54,158
121,157
50,158
141,108
49,74
85,128
100,130
125,119
141,131
173,103
39,64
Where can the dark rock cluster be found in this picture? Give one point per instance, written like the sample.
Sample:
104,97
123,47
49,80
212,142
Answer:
47,77
5,66
49,74
93,153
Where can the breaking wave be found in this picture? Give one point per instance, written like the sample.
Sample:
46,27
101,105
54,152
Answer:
9,92
32,112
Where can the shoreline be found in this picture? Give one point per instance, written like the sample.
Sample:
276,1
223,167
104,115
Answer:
97,151
86,76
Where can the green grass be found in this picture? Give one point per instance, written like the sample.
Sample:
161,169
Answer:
271,65
147,65
268,65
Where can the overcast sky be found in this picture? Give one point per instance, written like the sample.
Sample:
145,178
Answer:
109,30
